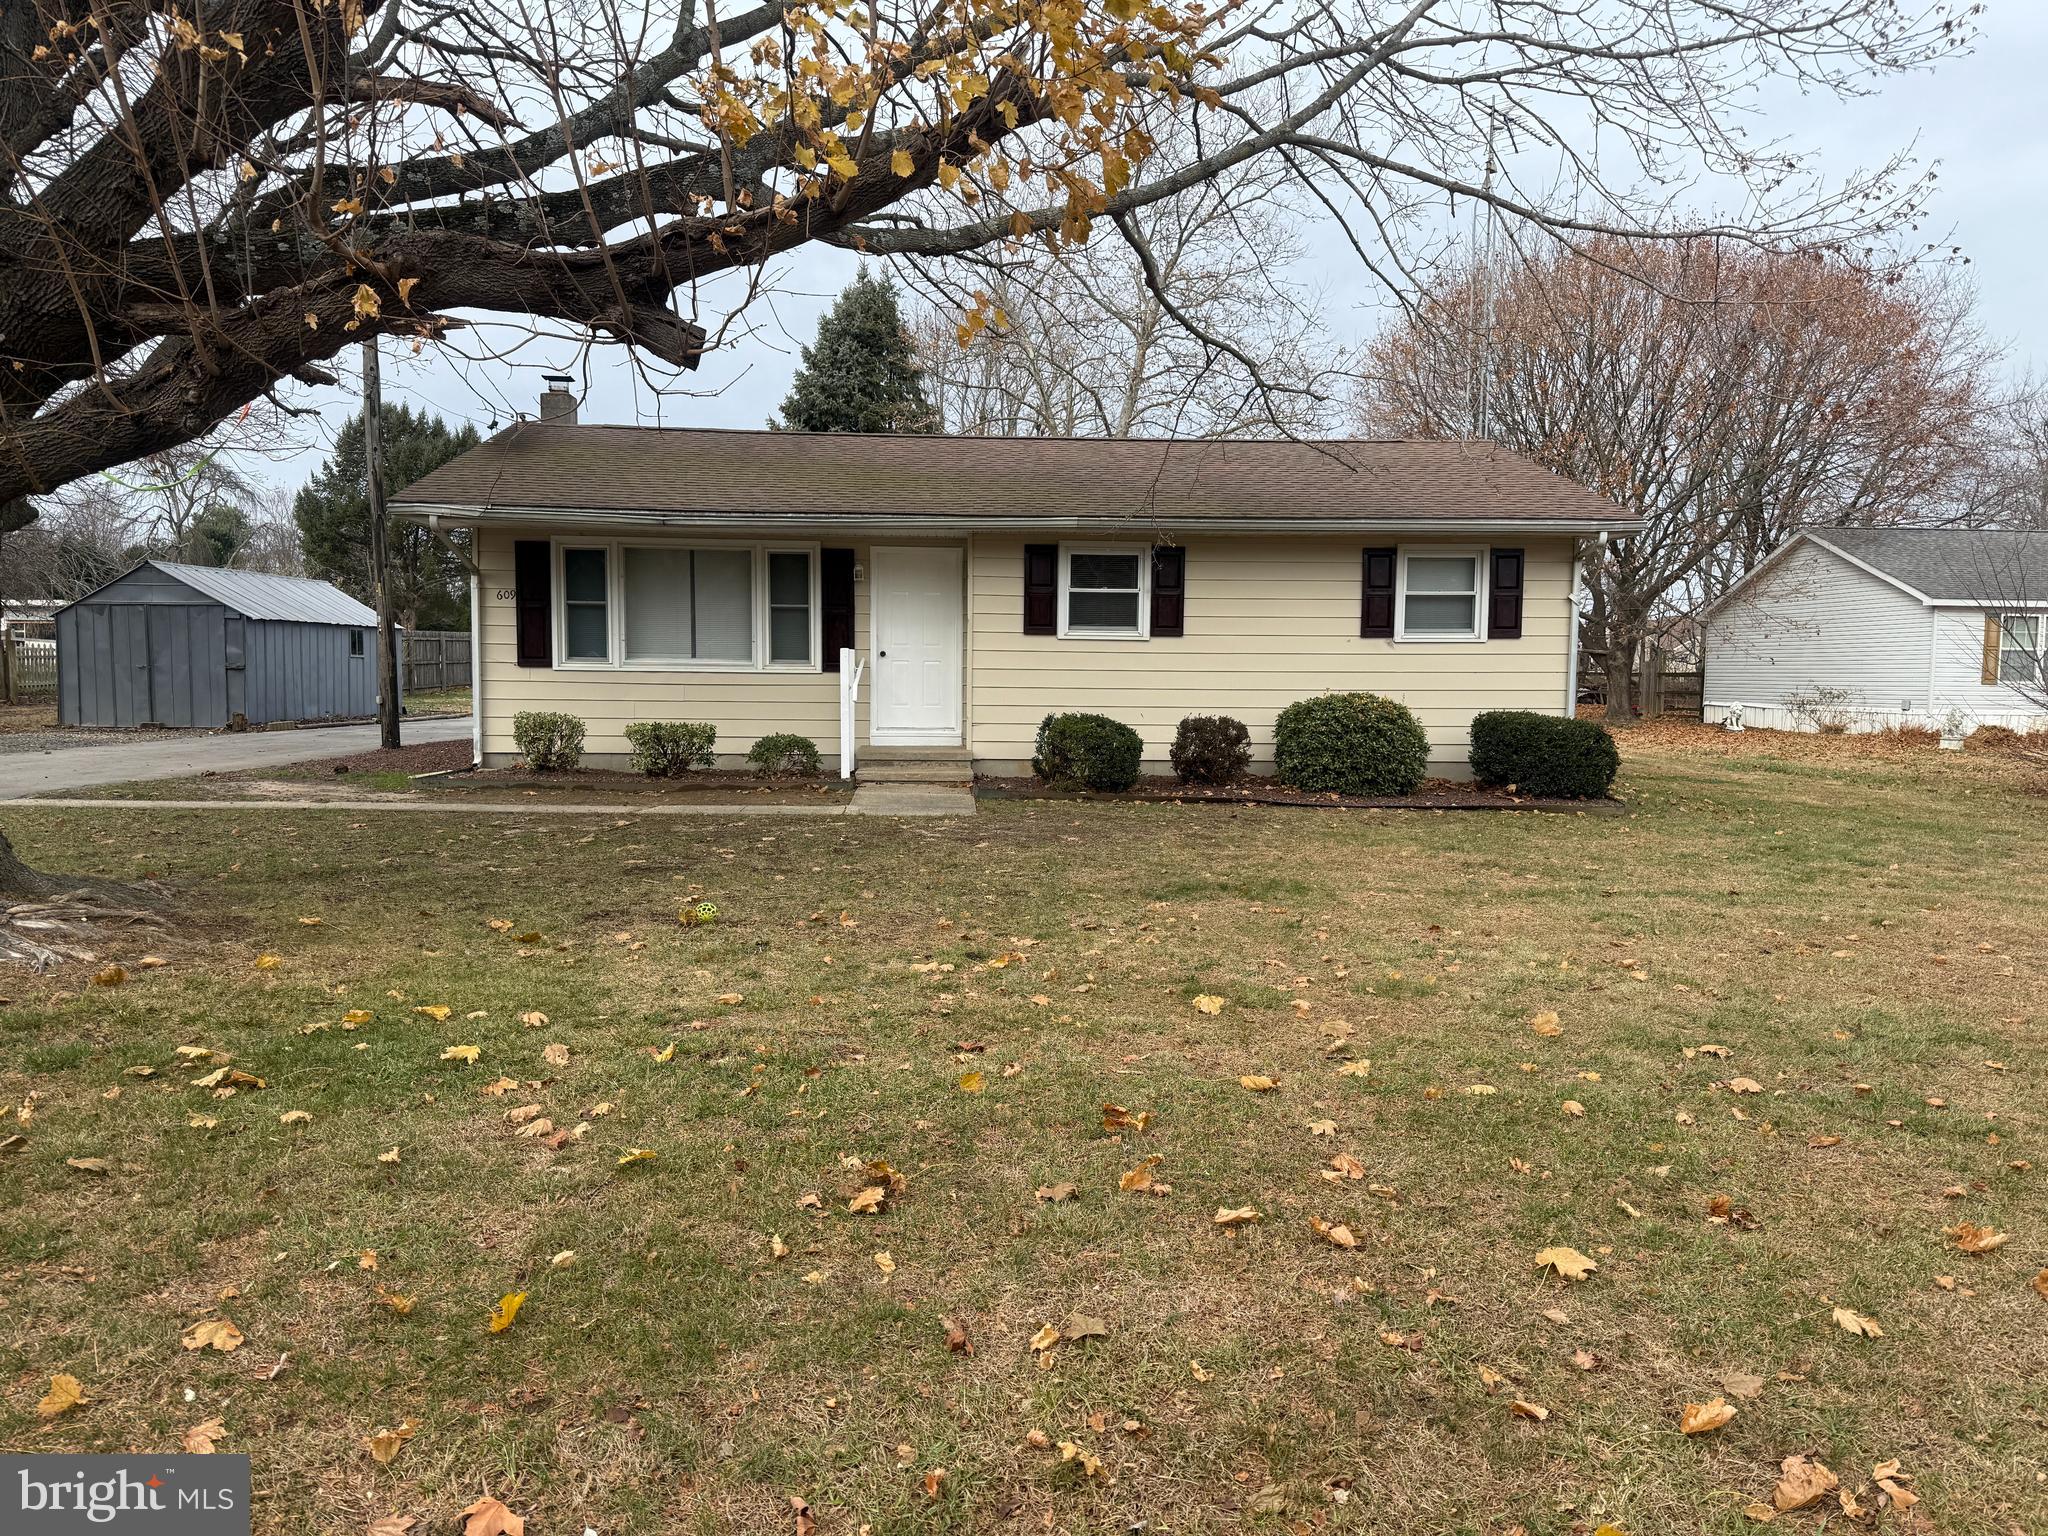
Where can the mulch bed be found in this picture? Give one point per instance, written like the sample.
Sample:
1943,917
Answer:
1434,795
420,757
610,782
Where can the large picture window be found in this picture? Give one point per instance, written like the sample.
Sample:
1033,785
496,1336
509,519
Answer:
1442,595
1104,592
716,607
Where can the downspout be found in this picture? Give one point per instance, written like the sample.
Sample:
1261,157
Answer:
476,647
1571,664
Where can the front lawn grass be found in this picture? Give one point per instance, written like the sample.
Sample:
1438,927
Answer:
960,999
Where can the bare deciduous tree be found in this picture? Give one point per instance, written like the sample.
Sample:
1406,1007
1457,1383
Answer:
1727,396
1192,325
201,203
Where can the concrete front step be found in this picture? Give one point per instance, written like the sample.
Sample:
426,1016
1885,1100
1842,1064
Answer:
915,755
924,772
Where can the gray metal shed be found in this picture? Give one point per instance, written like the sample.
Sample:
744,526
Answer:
168,644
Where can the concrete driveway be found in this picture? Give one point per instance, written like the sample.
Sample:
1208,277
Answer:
67,769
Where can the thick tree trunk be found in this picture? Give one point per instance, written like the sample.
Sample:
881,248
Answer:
17,880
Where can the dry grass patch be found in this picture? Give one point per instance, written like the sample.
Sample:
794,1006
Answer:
1779,990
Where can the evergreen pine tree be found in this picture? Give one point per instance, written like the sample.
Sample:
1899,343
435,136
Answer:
429,584
861,374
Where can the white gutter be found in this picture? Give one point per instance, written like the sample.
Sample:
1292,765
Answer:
558,517
476,661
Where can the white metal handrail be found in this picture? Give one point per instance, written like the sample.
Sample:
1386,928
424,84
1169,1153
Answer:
850,669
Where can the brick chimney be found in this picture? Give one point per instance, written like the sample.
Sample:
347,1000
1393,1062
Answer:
556,403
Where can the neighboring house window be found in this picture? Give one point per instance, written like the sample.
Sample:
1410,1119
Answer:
586,606
2019,649
1441,594
714,607
1104,592
355,642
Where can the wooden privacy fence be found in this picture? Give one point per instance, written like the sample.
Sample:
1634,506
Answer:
1665,686
28,664
436,659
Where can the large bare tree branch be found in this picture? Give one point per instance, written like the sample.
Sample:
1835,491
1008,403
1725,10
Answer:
199,201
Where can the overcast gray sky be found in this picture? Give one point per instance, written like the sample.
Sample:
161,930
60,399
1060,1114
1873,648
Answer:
1980,119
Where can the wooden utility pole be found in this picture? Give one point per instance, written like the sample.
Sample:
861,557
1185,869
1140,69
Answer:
380,550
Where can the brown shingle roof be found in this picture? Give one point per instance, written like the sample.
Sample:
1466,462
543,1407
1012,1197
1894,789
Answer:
715,475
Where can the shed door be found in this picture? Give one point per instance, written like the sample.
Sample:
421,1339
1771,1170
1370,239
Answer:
187,665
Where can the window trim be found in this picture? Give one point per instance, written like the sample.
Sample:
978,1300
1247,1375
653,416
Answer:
357,647
1481,557
560,584
615,605
1064,573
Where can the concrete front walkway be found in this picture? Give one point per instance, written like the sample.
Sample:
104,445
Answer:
868,800
44,773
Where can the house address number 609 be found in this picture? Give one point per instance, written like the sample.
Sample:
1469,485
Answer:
504,594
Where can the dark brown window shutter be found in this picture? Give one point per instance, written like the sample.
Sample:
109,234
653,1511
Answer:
1041,589
1376,614
835,598
1169,591
532,563
1504,596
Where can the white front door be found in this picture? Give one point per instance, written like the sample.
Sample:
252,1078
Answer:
916,600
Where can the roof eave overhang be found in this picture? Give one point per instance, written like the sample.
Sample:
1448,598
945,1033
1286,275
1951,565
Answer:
556,517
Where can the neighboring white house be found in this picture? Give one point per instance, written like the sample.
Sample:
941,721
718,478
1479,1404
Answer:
1863,628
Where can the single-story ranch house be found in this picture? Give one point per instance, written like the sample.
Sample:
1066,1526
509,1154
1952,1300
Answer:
1862,628
974,585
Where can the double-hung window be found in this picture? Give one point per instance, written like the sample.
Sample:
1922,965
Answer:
586,605
1104,592
1442,595
790,609
2019,649
716,607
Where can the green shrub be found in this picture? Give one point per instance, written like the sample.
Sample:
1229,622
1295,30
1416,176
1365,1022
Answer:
1211,749
784,752
1350,744
1090,750
546,740
1543,755
668,749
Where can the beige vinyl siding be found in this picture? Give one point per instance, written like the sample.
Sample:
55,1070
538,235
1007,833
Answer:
1270,619
744,705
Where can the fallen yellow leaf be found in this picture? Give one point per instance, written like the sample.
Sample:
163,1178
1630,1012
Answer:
1568,1262
1703,1418
1971,1238
199,1439
64,1395
1208,1002
385,1445
506,1310
213,1333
